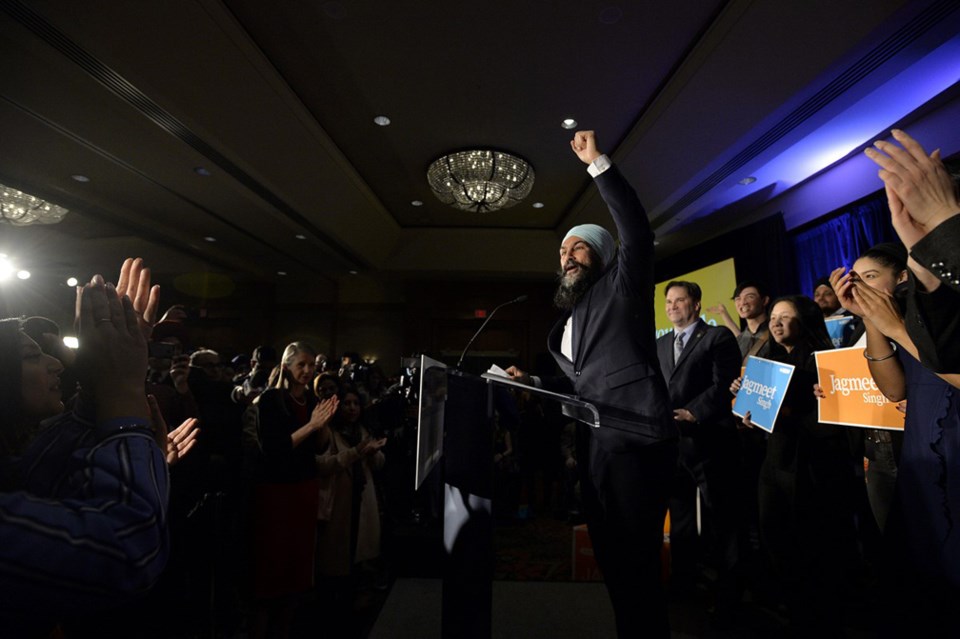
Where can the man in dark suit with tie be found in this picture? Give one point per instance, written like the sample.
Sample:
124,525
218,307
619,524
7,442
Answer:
699,362
605,346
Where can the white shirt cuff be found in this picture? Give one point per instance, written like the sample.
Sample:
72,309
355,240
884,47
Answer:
599,165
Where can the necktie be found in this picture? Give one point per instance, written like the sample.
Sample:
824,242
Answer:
678,347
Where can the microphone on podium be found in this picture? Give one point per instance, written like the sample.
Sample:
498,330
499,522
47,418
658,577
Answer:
517,300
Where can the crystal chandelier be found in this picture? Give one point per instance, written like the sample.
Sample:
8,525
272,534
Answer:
20,209
480,180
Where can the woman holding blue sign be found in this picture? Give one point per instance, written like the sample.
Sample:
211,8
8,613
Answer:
806,480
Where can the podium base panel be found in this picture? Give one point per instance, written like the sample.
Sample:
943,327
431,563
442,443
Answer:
529,609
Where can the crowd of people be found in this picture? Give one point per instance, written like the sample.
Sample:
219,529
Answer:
264,503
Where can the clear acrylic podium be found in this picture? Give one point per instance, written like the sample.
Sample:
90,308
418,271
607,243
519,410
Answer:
465,433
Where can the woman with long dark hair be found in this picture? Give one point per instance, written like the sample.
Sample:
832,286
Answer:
350,533
923,530
807,480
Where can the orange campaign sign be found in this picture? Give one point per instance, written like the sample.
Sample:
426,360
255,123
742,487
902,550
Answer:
852,397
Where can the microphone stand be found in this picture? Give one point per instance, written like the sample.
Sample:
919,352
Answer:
522,298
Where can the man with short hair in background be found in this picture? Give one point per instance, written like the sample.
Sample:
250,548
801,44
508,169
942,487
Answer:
699,362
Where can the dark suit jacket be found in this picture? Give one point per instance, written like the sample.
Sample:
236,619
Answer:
933,319
939,252
614,354
700,380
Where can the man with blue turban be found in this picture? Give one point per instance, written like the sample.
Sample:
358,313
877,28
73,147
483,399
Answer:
605,346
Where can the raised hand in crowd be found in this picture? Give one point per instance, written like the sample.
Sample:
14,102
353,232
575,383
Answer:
920,192
134,282
113,352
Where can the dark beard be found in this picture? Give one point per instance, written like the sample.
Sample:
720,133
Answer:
568,295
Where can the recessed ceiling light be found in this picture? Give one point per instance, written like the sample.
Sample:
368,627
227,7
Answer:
71,342
569,123
80,178
199,170
610,15
747,180
537,205
381,120
281,272
209,238
656,242
23,275
72,281
417,203
352,272
335,10
300,236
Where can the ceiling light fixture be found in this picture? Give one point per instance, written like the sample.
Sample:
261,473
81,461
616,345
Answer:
417,203
300,236
538,205
281,272
747,180
381,120
80,178
7,269
209,238
20,209
72,281
480,180
23,275
569,123
200,170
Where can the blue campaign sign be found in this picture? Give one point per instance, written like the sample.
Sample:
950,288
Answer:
839,328
762,391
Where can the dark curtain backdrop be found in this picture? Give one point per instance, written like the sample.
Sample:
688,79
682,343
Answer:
791,262
840,239
761,251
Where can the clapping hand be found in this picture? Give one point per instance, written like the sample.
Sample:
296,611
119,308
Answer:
920,192
323,412
113,351
134,282
177,442
370,447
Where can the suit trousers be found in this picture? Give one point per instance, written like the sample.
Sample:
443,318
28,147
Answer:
624,504
708,464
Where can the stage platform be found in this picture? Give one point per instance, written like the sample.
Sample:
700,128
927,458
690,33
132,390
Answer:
529,609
